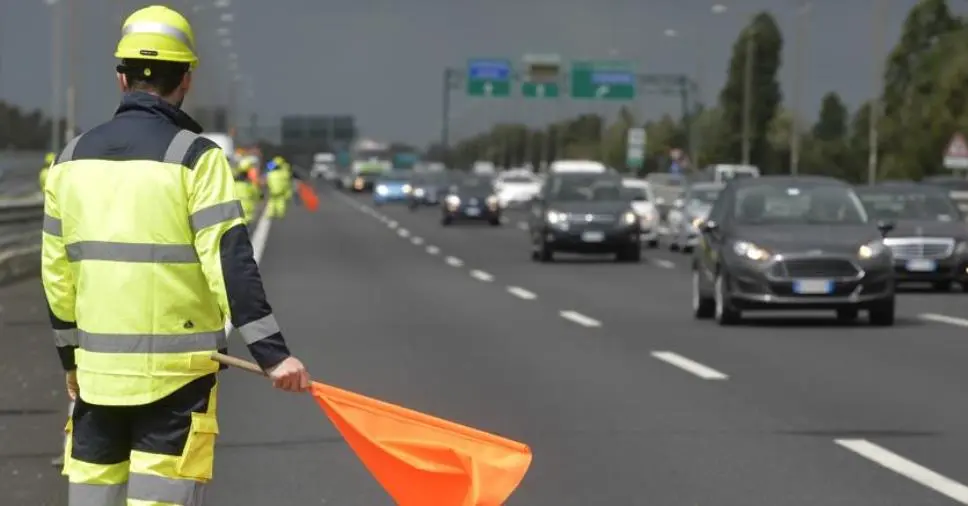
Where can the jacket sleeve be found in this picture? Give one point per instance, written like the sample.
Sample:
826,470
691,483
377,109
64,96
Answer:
58,281
225,251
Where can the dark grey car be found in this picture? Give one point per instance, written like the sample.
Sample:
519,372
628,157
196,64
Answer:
930,237
792,243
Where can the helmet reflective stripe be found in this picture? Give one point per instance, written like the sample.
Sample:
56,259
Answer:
158,28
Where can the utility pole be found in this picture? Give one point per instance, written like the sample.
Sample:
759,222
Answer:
71,86
795,135
57,63
748,94
875,115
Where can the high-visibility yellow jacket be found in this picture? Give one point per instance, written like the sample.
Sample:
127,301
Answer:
145,254
279,183
42,178
247,193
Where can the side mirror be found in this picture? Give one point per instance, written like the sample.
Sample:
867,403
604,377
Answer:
885,227
660,201
708,226
679,203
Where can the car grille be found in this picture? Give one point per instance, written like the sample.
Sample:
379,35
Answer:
907,248
814,268
591,218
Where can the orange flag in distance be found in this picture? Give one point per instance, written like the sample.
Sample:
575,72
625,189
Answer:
421,460
308,196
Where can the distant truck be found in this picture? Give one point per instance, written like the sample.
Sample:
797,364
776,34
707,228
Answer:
224,141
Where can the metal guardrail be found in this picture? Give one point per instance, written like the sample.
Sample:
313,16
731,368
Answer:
21,210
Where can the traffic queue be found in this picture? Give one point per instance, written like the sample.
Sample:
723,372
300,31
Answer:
752,243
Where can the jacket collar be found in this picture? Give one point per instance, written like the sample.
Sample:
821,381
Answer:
141,102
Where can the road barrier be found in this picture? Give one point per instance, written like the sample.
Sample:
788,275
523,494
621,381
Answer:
21,210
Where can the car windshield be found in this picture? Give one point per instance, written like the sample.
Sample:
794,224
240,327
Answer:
517,179
396,177
703,196
589,189
474,184
637,193
908,205
792,203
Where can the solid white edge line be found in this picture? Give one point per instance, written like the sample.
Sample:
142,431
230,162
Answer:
690,366
403,232
940,318
580,319
907,468
433,250
521,293
417,241
454,261
260,236
482,276
665,264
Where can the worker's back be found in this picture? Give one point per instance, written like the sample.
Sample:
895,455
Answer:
124,192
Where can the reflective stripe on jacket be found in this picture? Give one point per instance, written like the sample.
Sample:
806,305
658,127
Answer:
145,254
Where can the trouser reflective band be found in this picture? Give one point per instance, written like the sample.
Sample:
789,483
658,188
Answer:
85,494
158,489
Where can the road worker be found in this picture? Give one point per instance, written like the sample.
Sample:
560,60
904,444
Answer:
144,253
246,191
287,170
280,188
42,178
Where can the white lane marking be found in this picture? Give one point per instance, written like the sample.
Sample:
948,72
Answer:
482,276
454,261
433,250
691,366
392,224
403,232
907,468
417,240
522,225
940,318
259,239
504,219
521,293
580,319
665,264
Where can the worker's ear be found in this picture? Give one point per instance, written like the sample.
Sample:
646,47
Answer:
123,82
186,83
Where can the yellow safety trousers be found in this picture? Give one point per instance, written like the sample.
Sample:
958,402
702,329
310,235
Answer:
148,479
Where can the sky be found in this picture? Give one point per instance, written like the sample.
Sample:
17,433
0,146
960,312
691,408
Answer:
382,60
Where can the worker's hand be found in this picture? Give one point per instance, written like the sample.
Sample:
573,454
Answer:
72,389
290,375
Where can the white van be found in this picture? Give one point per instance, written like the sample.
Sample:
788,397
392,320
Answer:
561,166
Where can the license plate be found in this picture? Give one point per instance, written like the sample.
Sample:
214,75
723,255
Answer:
921,265
472,211
813,286
593,236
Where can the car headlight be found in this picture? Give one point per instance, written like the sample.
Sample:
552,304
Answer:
750,251
871,250
358,183
630,218
492,201
554,217
453,200
381,189
696,222
407,188
419,192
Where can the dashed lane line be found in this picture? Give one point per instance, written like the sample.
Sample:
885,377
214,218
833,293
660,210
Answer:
403,232
940,318
665,264
580,319
522,225
521,293
454,261
482,276
690,366
417,240
392,224
907,468
433,250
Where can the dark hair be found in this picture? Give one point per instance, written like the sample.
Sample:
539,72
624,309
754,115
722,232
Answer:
162,77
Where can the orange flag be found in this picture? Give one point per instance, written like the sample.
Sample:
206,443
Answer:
308,196
421,460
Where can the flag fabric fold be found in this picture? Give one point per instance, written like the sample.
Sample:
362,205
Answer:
421,460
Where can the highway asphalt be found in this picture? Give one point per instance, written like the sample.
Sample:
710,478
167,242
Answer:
624,398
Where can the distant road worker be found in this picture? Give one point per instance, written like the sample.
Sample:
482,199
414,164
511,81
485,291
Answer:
279,184
246,191
42,178
144,255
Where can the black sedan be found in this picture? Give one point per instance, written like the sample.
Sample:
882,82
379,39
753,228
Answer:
792,243
586,214
471,199
930,237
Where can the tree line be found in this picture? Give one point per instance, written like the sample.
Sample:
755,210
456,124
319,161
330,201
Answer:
24,130
924,102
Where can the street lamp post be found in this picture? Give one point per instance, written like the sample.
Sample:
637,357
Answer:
875,109
802,10
71,82
748,95
56,64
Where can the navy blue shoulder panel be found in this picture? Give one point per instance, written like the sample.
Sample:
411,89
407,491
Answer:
199,147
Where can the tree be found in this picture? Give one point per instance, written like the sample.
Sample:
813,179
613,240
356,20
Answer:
766,96
832,125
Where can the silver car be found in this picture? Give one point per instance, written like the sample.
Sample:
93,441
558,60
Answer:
688,212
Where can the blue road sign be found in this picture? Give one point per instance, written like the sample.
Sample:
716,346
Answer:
490,70
489,77
612,77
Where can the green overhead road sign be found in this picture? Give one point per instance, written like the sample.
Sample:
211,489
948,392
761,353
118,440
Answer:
603,80
542,75
489,77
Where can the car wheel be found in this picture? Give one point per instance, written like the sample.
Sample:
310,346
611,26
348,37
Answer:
703,307
631,254
941,286
446,221
687,249
653,244
847,314
964,286
674,245
725,313
546,253
882,313
495,222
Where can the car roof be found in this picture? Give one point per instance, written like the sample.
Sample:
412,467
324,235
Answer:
635,183
901,186
707,185
789,180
